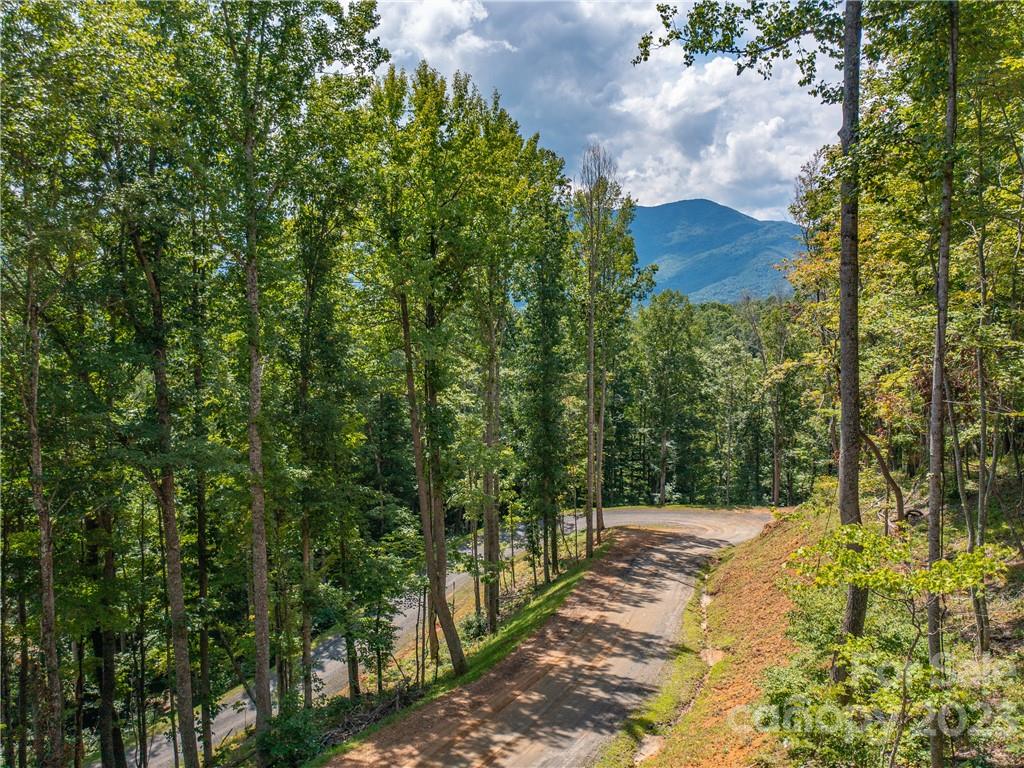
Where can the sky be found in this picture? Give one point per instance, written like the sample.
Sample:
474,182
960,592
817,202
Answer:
563,70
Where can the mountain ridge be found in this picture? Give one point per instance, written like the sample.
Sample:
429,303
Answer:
712,252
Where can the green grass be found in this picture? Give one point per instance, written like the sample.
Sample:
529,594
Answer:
682,682
485,654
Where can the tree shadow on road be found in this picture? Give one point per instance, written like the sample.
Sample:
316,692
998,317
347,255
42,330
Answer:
571,685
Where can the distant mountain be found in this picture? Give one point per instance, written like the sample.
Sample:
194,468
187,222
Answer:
713,253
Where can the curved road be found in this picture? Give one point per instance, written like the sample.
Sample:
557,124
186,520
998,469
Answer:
706,529
558,698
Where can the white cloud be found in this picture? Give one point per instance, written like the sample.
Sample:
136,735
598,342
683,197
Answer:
564,69
440,31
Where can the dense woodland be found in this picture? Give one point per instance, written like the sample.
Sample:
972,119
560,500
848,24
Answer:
282,324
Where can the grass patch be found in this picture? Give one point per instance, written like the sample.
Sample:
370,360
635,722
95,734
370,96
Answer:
685,673
485,653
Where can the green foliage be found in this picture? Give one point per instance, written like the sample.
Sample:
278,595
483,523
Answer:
725,389
893,689
885,565
294,737
154,151
473,627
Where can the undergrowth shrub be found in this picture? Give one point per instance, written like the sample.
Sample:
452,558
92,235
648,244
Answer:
881,714
473,627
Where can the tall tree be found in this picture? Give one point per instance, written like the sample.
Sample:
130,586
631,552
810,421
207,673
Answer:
806,28
143,164
544,317
602,214
849,287
272,54
936,443
418,210
664,341
498,157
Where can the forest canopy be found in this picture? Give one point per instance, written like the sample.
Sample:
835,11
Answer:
290,333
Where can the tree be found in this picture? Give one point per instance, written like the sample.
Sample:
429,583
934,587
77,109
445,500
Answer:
664,338
272,54
936,418
544,365
602,215
416,214
30,59
498,157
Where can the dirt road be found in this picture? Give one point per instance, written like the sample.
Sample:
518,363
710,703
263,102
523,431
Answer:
562,694
236,712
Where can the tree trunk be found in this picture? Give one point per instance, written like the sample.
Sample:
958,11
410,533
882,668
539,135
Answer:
978,595
663,464
849,356
556,528
23,683
206,710
307,617
106,679
79,652
431,626
167,641
236,667
444,613
351,658
477,604
492,542
176,597
108,645
5,645
883,467
140,643
427,496
305,371
165,495
51,756
545,524
202,545
978,602
591,300
935,433
260,577
599,457
776,450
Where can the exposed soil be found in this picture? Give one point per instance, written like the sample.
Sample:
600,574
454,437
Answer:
746,627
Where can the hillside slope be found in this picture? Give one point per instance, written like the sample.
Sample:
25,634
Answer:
711,252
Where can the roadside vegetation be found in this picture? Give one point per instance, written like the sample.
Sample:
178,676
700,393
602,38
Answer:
642,733
733,631
314,736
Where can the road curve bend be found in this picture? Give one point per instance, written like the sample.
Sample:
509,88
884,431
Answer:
559,697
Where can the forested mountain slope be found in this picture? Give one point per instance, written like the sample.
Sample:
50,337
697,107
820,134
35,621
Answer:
711,252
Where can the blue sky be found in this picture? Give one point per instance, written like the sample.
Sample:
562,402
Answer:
563,70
